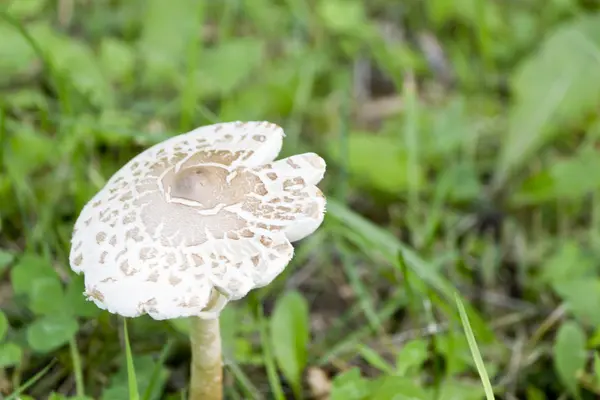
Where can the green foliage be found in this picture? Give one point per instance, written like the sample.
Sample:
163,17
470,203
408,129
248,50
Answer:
76,63
132,383
571,274
34,278
376,161
6,258
289,331
567,179
117,59
343,17
224,68
29,270
570,355
50,332
481,369
15,54
555,89
56,396
163,51
10,354
26,9
118,388
77,303
3,325
350,386
411,357
597,367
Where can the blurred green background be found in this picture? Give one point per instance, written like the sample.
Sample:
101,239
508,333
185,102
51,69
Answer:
462,140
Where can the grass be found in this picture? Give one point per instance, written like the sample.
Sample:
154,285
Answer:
485,380
461,140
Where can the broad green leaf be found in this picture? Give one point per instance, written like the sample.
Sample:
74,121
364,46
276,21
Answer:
25,9
289,327
224,68
28,98
564,179
462,180
270,18
597,367
51,332
453,389
47,296
350,385
554,89
568,262
117,59
169,29
452,128
276,90
343,17
594,340
3,325
394,387
16,56
58,396
534,393
78,304
29,269
6,257
76,63
569,355
374,161
411,357
444,11
10,355
582,297
28,151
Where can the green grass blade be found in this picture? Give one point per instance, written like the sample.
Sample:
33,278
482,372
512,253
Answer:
243,380
410,297
59,83
485,380
77,368
411,140
386,243
270,365
17,393
156,371
131,379
365,300
189,93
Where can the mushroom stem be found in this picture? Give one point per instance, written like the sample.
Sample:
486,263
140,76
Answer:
207,370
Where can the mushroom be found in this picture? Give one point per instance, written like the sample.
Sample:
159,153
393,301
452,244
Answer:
194,222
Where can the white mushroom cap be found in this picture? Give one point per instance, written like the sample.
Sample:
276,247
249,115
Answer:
208,209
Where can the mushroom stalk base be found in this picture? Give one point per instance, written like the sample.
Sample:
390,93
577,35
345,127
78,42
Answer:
206,368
